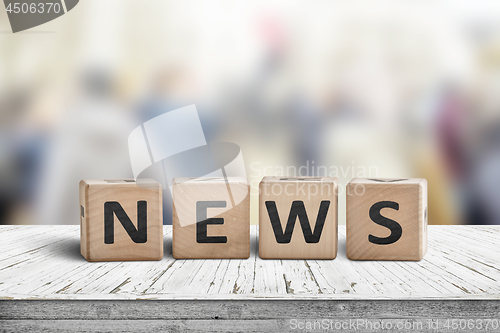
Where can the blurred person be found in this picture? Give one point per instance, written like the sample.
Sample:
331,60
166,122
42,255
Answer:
20,154
308,126
89,142
273,101
450,123
443,157
483,181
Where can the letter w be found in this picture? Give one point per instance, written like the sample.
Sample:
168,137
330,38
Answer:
138,235
298,210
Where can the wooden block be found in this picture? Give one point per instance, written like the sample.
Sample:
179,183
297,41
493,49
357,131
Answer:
211,218
386,219
298,218
121,220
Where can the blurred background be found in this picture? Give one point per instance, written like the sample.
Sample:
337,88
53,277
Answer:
370,88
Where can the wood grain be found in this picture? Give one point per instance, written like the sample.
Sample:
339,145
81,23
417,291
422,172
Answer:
386,219
228,200
228,316
45,285
283,194
93,196
44,262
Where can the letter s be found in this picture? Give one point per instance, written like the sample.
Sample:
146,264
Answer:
394,226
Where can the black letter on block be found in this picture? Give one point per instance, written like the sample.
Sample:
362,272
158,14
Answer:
298,210
203,221
394,226
138,235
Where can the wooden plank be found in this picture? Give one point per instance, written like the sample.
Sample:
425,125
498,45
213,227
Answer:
41,266
20,245
298,277
269,278
278,325
359,280
142,326
462,262
139,281
455,249
239,276
243,316
261,309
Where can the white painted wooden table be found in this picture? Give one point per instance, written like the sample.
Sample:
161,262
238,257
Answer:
459,276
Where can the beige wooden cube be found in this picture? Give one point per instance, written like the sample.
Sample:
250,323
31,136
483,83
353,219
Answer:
386,219
211,218
121,220
298,218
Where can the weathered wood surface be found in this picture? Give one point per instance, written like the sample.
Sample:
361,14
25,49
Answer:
261,315
44,263
245,309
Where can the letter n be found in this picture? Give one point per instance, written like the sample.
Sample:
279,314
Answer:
138,235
